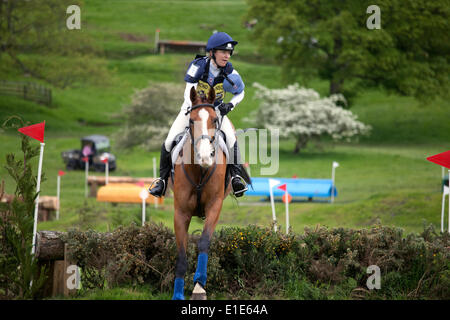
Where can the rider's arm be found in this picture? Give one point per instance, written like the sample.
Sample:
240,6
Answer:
237,89
237,98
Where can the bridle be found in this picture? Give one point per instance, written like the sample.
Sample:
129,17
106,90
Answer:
203,178
203,136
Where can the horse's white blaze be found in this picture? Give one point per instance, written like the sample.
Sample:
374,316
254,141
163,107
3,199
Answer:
205,147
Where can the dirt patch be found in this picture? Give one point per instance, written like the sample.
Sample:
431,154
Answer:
133,37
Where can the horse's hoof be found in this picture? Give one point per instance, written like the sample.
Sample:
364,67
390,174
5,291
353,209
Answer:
199,293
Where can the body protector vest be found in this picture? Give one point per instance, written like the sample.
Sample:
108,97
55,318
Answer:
198,72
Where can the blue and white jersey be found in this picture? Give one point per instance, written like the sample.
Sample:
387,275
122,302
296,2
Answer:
203,73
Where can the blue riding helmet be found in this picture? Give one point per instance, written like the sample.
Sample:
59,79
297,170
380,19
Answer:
222,41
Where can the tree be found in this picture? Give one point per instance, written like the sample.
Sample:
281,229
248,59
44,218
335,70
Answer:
304,115
35,40
409,55
148,118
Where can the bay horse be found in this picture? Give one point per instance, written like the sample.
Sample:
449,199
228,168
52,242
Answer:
199,188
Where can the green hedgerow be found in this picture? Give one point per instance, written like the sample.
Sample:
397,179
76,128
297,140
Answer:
258,262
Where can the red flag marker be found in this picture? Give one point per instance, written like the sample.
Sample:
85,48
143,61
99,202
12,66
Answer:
105,160
282,187
442,159
85,159
61,173
35,131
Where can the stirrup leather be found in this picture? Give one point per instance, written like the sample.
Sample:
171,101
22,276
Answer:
239,191
164,189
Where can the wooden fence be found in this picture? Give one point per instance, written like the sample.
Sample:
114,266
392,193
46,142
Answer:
180,46
27,90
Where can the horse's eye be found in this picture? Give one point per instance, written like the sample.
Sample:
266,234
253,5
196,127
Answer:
191,121
215,120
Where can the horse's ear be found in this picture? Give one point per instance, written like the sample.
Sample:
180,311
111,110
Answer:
211,95
193,95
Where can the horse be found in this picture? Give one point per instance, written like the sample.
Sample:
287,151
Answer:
199,188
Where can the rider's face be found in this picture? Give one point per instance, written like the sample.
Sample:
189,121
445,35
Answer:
222,57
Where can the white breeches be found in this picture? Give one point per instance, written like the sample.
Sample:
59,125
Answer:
182,121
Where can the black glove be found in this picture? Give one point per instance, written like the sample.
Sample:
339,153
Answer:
224,108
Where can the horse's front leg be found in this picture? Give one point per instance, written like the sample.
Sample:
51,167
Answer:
181,223
212,217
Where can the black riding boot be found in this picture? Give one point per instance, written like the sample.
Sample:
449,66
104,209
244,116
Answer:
237,182
165,166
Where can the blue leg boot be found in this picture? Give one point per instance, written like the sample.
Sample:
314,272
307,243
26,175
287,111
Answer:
178,292
200,273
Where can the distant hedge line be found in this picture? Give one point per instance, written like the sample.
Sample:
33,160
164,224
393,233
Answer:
254,262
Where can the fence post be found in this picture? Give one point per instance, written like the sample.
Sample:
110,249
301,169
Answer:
27,90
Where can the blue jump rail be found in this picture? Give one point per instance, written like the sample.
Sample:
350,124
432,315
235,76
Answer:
311,188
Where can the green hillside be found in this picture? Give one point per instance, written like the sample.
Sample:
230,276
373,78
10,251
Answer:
384,176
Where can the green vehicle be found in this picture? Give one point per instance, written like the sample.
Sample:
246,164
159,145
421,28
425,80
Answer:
96,148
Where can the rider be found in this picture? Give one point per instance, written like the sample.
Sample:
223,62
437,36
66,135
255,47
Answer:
213,71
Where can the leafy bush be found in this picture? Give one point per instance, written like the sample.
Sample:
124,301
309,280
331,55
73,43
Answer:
257,262
149,116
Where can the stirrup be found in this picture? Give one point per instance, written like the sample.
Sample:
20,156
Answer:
239,191
164,189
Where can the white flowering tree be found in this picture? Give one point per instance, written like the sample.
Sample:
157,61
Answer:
302,114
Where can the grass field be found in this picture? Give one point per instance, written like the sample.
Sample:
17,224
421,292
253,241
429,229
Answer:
384,176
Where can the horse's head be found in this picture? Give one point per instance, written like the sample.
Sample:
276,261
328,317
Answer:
203,124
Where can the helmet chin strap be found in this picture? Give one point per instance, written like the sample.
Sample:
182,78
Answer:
214,58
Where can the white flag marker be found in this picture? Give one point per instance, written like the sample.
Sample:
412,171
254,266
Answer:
154,177
38,189
286,202
86,174
144,195
273,183
58,187
335,165
105,160
106,172
444,193
58,193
